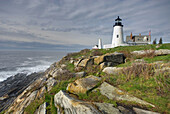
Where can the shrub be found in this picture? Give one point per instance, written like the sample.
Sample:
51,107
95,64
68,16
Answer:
160,41
138,70
96,53
65,75
148,53
154,42
84,51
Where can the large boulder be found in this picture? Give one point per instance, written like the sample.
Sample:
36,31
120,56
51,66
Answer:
76,63
83,63
107,108
112,70
107,64
141,111
58,72
19,105
41,109
86,63
116,58
83,85
155,52
80,74
162,52
69,105
142,52
117,94
124,110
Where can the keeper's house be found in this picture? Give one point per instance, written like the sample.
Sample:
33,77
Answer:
138,39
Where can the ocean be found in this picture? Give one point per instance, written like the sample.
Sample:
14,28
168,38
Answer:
27,62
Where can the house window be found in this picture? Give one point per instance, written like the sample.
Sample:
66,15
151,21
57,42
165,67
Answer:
117,36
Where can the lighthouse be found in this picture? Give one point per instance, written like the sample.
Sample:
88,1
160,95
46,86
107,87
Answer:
117,38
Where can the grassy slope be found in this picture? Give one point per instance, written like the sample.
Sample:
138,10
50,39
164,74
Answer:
152,88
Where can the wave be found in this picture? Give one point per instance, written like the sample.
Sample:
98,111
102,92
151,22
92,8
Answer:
12,63
25,63
29,58
25,70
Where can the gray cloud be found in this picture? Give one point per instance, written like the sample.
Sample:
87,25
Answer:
80,21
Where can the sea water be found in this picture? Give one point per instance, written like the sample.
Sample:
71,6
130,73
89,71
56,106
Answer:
27,62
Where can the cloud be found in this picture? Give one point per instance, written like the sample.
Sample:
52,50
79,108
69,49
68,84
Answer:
78,22
40,46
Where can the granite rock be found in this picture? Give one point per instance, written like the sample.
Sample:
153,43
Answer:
80,74
112,70
114,93
141,111
107,108
41,109
114,58
69,105
83,85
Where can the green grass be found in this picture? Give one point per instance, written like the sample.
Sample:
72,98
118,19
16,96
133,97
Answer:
31,108
125,64
164,46
153,89
60,86
49,97
3,112
135,48
164,58
51,109
141,83
70,67
96,96
148,90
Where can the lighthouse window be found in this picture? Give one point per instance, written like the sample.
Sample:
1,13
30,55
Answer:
117,36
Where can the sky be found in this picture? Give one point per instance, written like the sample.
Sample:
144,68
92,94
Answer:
78,24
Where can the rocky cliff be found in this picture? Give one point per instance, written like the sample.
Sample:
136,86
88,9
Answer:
94,82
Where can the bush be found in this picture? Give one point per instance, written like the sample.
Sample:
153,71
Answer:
154,42
96,53
160,41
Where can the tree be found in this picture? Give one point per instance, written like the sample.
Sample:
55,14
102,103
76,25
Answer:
154,42
160,40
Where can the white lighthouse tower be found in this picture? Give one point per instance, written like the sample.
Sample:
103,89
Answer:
117,38
100,44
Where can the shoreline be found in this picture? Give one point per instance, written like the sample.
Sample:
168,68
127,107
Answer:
15,85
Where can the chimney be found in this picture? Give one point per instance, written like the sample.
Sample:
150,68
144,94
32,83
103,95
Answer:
150,33
131,35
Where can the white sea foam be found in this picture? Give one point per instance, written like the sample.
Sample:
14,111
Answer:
29,58
25,63
26,70
14,62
